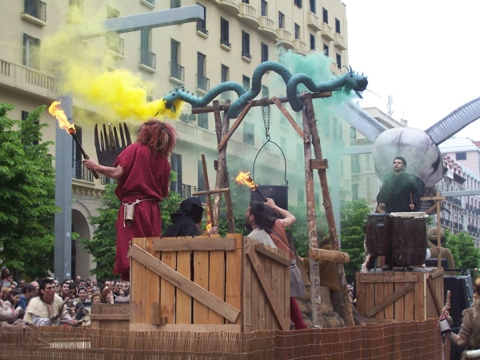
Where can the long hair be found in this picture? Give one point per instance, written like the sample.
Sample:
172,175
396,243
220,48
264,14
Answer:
264,217
160,137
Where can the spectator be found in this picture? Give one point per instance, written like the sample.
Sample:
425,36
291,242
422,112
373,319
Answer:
106,295
28,292
65,290
36,286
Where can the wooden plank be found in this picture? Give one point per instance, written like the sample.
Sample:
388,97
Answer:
138,285
152,290
200,277
437,272
420,298
184,283
399,305
235,125
379,297
273,254
267,265
167,289
247,292
194,328
260,302
361,294
266,287
410,303
110,317
433,294
216,278
289,117
329,255
388,277
184,301
234,274
389,300
194,244
389,313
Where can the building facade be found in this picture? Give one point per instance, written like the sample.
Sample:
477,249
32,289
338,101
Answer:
232,40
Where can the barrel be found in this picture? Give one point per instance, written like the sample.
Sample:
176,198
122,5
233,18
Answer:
409,238
378,235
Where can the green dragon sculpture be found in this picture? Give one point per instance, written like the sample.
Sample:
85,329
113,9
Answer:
350,81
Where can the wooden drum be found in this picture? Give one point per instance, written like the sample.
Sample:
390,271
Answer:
378,235
409,238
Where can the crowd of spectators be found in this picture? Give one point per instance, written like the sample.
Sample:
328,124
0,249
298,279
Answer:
77,296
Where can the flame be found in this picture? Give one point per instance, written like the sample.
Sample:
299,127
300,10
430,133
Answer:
63,122
245,179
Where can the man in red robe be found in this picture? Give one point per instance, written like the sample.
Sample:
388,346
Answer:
143,174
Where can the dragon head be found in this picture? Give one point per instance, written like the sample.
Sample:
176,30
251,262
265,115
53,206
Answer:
172,97
356,82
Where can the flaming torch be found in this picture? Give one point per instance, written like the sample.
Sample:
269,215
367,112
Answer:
63,123
245,179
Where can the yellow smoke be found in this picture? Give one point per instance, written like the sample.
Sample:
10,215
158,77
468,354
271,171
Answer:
88,69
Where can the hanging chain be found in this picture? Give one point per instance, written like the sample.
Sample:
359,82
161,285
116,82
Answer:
266,120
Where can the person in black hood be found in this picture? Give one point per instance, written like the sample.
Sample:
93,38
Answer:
186,220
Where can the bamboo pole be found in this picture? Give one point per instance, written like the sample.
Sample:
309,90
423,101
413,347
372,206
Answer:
322,174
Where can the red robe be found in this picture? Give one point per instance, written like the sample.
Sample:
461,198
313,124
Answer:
145,176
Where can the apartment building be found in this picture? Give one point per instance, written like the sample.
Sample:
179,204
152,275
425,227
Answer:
232,40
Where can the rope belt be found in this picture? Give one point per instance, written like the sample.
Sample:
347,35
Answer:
129,209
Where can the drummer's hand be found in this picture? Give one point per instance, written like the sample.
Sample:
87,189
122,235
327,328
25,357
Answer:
213,230
412,206
381,208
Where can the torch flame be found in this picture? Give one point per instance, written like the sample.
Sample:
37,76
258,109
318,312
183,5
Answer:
63,122
245,179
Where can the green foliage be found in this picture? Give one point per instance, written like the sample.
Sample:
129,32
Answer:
353,219
27,195
464,252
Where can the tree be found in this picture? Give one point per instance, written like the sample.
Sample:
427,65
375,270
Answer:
464,252
27,195
103,244
353,220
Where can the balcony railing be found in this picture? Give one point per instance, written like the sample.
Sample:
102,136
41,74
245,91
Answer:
22,76
203,82
177,71
201,27
36,8
148,58
182,189
80,171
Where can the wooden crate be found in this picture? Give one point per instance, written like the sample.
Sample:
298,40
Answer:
398,295
208,284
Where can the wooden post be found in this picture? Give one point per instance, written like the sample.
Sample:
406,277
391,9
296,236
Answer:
316,297
207,187
438,199
309,116
221,162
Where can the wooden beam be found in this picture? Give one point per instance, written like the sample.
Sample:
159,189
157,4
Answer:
319,164
207,188
440,271
388,278
235,125
438,307
261,248
390,299
212,191
289,117
183,283
112,317
194,243
267,288
329,255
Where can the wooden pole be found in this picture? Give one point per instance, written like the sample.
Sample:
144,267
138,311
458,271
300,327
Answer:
439,237
329,255
234,127
221,163
316,296
207,188
322,174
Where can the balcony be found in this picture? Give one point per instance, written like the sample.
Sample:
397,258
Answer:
148,60
248,14
80,171
327,32
313,21
35,11
230,6
177,74
300,46
183,189
267,26
203,84
116,44
285,38
339,41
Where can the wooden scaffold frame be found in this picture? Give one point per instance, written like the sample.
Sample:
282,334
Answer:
309,136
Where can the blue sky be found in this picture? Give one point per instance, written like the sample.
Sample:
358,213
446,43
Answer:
423,53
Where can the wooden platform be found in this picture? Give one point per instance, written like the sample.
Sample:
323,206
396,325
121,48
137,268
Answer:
400,295
203,284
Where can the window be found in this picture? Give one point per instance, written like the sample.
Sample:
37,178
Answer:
248,137
327,126
176,165
202,120
353,133
246,1
79,171
201,180
264,51
325,15
326,50
337,25
461,156
335,129
36,8
355,163
75,6
312,42
246,45
264,8
31,52
265,92
225,71
246,82
176,70
202,24
281,20
313,6
339,60
146,56
297,31
175,4
202,81
297,3
354,192
224,36
112,13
